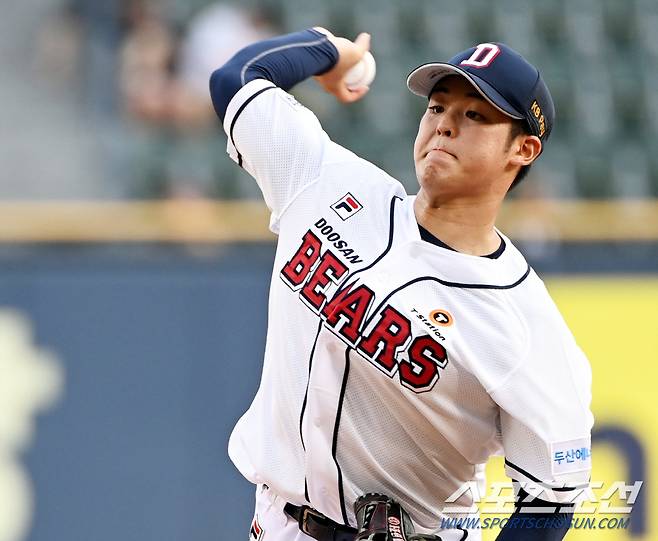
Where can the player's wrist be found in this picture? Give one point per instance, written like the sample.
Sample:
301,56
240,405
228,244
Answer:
323,30
350,53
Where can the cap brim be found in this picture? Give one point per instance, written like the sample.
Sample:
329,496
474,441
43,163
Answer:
422,80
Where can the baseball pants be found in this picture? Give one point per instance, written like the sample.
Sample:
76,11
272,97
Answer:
271,523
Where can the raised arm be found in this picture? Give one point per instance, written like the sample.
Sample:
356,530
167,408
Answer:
275,139
288,60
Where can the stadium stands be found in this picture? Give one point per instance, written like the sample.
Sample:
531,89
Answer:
600,59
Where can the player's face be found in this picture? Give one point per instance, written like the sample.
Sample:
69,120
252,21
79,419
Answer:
462,147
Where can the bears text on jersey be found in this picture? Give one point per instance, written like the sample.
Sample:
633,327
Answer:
389,344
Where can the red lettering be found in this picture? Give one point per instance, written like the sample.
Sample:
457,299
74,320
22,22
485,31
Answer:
296,270
349,306
421,371
388,336
330,269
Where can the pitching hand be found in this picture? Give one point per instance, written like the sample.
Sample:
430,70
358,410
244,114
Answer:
349,54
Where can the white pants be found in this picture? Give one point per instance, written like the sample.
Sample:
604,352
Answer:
272,523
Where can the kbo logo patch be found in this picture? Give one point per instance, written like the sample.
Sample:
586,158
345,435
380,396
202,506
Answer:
347,206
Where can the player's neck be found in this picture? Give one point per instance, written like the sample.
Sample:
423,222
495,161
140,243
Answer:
465,225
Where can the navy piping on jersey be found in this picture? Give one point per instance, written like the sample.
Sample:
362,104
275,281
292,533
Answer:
542,483
445,283
391,217
237,114
334,445
310,365
310,360
301,415
428,237
394,199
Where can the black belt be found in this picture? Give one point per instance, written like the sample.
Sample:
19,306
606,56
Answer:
319,527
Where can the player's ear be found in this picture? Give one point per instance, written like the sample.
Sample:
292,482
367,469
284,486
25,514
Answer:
525,150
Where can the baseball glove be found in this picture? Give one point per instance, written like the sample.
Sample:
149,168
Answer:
380,518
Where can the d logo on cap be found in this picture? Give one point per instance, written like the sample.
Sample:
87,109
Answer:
482,56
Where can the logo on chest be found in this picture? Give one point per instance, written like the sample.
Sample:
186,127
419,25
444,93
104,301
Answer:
347,206
380,334
436,317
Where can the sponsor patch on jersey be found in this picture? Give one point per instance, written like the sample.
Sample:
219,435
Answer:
429,323
441,317
571,456
347,206
256,533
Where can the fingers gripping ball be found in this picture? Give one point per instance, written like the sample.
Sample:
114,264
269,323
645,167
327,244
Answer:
363,73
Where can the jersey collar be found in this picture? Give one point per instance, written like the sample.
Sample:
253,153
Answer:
459,269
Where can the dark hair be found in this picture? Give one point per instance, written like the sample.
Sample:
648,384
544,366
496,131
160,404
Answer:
519,127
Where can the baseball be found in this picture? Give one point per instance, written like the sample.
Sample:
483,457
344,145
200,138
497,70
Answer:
413,327
363,73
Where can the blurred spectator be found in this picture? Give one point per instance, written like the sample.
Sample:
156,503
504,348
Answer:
59,49
164,89
109,98
214,35
146,56
49,144
100,23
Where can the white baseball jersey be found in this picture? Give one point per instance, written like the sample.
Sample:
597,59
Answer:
393,365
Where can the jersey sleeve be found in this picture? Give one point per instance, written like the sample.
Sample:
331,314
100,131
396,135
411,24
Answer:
545,417
276,140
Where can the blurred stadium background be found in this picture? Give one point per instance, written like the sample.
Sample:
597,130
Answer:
135,257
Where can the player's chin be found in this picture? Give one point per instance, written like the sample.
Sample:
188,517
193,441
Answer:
429,178
430,172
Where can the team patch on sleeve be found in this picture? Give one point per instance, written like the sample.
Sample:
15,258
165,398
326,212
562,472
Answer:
571,456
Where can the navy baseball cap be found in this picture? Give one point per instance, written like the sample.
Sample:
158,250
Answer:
504,78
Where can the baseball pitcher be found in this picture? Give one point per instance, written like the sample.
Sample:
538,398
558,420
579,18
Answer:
408,339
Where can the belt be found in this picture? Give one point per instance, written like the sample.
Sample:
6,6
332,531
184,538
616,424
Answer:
316,525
